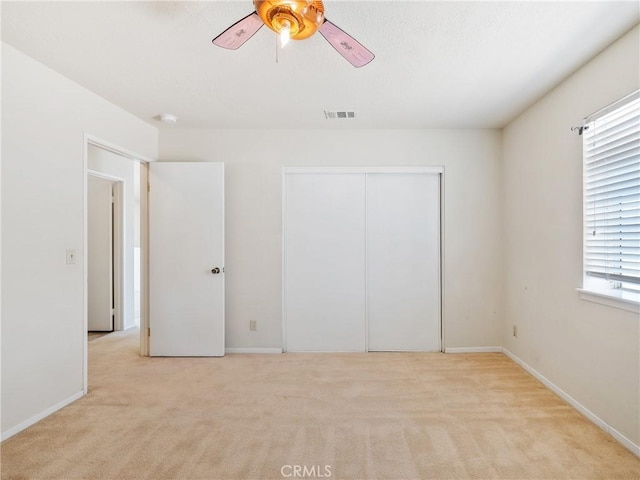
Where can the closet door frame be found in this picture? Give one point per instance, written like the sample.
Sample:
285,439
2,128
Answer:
428,169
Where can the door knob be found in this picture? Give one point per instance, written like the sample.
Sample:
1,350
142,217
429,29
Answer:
215,271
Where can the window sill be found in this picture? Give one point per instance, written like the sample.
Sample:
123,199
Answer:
611,298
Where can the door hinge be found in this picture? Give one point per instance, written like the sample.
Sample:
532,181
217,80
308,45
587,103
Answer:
148,187
148,332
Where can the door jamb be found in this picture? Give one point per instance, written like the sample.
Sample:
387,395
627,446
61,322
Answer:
144,259
89,139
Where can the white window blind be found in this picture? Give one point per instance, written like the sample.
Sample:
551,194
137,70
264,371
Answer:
611,141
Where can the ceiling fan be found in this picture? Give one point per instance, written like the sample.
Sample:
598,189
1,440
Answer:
295,19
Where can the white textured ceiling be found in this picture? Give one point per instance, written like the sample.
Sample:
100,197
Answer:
438,64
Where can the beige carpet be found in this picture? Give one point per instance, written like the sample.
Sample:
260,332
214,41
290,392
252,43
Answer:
351,416
95,335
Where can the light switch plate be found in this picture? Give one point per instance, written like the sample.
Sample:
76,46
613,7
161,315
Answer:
71,256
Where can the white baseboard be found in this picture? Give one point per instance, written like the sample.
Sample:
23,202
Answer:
252,350
36,418
473,350
635,449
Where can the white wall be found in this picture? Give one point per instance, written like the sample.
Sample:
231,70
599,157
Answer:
103,161
44,116
590,351
253,161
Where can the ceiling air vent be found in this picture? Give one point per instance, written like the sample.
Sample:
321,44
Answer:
331,115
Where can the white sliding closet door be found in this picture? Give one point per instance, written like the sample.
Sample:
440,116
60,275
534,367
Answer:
324,264
361,261
403,261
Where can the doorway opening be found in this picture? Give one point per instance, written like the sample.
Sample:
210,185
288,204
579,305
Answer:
115,239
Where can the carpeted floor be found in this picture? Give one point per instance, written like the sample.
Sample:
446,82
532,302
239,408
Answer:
95,335
343,416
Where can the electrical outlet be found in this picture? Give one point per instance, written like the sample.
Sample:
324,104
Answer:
515,331
252,325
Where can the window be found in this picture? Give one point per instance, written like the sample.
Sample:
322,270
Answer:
611,146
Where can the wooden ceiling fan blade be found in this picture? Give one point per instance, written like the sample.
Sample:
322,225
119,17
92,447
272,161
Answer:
238,33
347,46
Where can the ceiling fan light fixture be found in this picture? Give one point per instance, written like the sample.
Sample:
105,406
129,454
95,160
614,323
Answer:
302,17
285,33
296,19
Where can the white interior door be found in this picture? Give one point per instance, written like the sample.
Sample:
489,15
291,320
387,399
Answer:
403,267
186,259
100,254
324,265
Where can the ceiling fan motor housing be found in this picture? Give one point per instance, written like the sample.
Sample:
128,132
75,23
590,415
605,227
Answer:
303,16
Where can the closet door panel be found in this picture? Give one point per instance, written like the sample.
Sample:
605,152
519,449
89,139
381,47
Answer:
324,264
403,262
